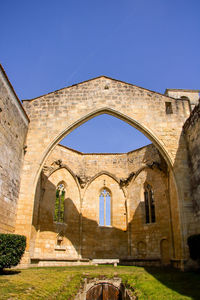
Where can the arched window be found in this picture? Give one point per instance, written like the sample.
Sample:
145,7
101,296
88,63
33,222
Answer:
105,208
149,204
59,203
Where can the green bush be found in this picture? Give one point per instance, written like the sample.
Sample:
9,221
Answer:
194,246
12,247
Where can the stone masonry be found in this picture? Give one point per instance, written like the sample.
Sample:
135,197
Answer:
85,175
13,130
30,156
192,134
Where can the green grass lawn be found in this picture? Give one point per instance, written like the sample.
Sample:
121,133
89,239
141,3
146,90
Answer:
64,282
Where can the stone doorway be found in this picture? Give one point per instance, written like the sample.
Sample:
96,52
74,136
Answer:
104,291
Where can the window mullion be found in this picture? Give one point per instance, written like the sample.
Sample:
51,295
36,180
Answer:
104,210
149,204
59,206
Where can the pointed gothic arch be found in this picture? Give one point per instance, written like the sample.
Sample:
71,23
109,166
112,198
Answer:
103,173
130,111
106,110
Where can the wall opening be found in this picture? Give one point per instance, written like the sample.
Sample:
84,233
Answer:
105,134
105,289
101,199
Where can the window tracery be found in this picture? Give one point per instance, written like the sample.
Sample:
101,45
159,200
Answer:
105,208
149,204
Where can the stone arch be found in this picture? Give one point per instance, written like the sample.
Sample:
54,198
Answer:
95,187
110,240
103,173
104,290
63,107
139,228
106,110
63,167
70,171
60,175
142,169
47,229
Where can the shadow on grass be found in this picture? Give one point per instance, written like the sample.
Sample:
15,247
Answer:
9,272
184,283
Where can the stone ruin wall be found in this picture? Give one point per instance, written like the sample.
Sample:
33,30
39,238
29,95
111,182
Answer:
192,135
13,130
54,115
85,175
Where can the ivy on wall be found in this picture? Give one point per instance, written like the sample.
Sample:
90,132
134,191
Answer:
59,204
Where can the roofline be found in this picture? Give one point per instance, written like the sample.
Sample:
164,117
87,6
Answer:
183,90
12,89
101,76
71,149
102,153
140,148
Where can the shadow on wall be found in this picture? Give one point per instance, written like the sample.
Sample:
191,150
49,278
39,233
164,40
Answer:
79,235
93,241
184,210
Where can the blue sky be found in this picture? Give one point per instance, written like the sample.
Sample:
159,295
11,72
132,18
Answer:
105,134
47,45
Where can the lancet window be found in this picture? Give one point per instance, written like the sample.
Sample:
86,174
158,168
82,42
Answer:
149,204
59,203
105,208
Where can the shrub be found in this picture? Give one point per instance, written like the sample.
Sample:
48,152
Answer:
12,247
194,246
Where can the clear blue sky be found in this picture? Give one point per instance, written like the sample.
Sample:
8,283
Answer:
46,45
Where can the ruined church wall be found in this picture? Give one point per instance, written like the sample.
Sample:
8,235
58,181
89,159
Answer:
54,115
192,135
146,238
13,130
104,241
88,165
47,231
83,235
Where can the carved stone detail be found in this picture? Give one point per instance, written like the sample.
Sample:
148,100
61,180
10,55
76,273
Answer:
125,182
82,181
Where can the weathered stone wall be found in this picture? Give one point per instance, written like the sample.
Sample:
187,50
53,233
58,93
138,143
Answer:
54,115
124,176
191,95
47,231
159,117
13,130
149,236
192,135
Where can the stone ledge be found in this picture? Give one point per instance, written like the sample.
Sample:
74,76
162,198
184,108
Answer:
37,259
